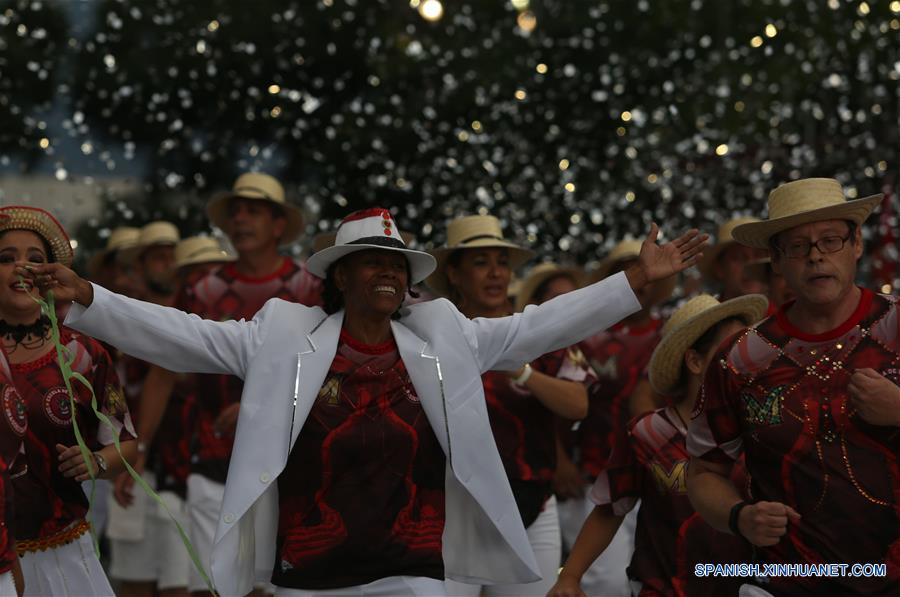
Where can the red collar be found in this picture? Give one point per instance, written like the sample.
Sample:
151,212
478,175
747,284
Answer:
865,303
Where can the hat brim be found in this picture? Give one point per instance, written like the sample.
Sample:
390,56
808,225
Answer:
207,257
130,254
42,223
421,264
438,281
528,287
662,289
217,211
665,364
757,234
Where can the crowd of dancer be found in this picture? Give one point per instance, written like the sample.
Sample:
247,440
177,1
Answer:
377,420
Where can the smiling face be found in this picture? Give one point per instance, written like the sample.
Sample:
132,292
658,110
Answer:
481,277
253,225
819,279
373,282
16,306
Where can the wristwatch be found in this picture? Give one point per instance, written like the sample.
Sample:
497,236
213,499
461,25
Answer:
101,463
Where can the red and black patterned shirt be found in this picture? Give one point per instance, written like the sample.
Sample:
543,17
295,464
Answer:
13,426
222,295
618,356
779,396
525,430
362,494
650,464
46,501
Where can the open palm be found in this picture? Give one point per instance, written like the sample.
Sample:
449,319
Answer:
662,261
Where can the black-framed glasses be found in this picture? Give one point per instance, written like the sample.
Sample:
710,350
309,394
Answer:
827,244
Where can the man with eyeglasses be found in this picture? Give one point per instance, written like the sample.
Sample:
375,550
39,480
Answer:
811,397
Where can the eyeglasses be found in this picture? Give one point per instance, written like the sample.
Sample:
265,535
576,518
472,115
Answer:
827,244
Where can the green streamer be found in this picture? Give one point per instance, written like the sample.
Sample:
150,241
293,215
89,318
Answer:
65,365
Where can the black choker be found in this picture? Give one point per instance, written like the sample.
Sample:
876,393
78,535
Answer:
18,333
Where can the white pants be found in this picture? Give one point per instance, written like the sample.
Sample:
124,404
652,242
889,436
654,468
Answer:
545,539
392,586
99,512
71,569
204,503
7,585
159,555
606,577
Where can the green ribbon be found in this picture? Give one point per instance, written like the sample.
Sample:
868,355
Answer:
65,365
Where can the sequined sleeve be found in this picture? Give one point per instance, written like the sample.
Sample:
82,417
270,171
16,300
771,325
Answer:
715,431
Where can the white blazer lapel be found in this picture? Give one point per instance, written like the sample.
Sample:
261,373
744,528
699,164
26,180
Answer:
313,364
426,375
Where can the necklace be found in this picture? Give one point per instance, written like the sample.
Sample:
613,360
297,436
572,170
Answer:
29,336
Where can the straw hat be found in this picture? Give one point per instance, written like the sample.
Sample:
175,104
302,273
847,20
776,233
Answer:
370,229
159,233
472,232
802,202
42,223
323,240
261,187
724,239
627,250
200,249
120,238
540,274
687,324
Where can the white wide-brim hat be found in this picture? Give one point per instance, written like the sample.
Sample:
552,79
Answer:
473,232
370,229
259,187
687,324
628,250
803,202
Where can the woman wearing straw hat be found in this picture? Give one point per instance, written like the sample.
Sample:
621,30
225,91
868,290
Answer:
51,532
475,269
811,398
619,356
363,425
651,463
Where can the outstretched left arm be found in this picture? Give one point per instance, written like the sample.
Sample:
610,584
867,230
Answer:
506,343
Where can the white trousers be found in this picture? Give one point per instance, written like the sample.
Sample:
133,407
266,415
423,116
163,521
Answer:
392,586
606,577
7,585
204,503
159,555
545,539
69,570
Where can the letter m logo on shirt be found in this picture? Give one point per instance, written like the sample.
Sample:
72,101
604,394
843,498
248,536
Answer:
673,480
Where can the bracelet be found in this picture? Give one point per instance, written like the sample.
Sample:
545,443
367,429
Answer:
526,375
733,519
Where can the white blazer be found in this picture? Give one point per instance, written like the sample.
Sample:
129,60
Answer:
284,354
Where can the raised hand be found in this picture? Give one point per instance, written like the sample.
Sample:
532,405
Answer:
661,261
65,284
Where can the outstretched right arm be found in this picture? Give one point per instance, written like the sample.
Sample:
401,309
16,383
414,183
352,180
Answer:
164,336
